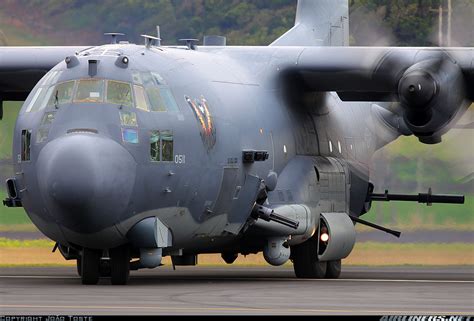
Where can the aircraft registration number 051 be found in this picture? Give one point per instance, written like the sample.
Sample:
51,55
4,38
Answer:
180,159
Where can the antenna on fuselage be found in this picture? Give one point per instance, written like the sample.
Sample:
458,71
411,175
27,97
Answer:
158,35
114,36
150,40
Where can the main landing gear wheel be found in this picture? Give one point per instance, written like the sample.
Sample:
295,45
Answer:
119,265
333,270
305,260
79,266
90,266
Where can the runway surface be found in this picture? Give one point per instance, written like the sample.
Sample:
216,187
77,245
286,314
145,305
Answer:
241,290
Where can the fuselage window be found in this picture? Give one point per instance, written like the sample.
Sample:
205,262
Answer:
161,146
90,91
167,145
130,135
25,145
42,135
140,99
119,93
155,148
48,119
128,119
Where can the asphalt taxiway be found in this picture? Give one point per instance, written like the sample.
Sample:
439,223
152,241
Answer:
241,290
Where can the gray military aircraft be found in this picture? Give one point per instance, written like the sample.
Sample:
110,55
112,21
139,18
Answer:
126,153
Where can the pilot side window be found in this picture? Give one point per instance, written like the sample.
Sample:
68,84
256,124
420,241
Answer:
61,94
90,91
156,90
161,146
156,101
25,145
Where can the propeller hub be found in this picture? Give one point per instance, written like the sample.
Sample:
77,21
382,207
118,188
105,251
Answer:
417,89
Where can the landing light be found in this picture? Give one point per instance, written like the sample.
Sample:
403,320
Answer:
324,237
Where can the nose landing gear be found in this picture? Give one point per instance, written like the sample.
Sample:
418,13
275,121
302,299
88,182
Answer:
90,261
91,265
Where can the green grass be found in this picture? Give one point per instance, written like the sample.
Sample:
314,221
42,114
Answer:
8,243
12,216
7,126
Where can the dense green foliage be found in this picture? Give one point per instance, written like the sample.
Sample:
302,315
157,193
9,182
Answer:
246,22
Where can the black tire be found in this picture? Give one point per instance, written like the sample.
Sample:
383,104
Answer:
104,268
333,270
119,265
305,260
90,266
79,266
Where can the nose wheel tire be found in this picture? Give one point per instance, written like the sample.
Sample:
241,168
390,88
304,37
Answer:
119,265
305,260
90,266
333,270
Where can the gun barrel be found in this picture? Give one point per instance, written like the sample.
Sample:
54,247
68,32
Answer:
426,198
284,221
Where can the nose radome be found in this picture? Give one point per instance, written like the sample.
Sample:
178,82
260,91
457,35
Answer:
86,181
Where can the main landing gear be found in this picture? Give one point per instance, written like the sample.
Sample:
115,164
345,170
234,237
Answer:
307,265
91,265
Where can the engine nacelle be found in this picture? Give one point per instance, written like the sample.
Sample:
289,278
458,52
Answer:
336,235
433,94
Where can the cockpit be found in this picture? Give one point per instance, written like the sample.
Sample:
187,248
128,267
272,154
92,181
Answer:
147,91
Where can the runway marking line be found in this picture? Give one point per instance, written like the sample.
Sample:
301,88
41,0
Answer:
237,309
251,279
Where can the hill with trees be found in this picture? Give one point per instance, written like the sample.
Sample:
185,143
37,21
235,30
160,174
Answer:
244,22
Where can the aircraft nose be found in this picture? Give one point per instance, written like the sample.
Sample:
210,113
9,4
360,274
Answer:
86,181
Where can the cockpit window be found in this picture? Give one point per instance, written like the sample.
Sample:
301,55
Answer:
90,91
119,93
170,102
140,99
156,101
159,80
148,92
157,91
62,94
37,100
51,77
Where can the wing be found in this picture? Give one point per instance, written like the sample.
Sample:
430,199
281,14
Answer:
22,67
434,86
